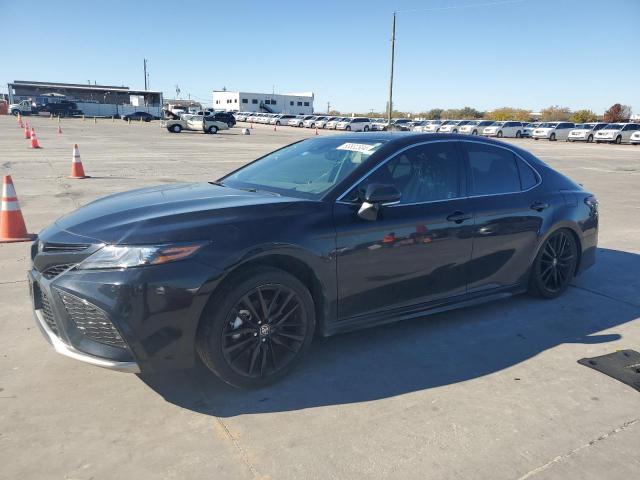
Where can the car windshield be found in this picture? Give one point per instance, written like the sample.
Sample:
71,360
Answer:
473,122
614,126
548,125
305,169
498,124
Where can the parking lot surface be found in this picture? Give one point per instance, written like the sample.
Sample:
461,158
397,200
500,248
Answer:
493,391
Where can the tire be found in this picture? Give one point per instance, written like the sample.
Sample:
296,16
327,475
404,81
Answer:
536,139
15,112
240,306
348,128
278,123
313,125
518,134
554,266
499,135
147,120
366,128
229,124
176,129
213,130
598,141
590,139
618,139
475,132
455,131
552,137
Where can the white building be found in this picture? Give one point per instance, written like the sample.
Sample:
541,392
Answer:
295,103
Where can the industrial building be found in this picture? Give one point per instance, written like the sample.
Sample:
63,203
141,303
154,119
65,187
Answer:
93,100
294,103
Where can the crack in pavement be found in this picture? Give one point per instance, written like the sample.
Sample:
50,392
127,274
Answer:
560,458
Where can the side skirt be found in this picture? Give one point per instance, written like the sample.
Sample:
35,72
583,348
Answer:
421,310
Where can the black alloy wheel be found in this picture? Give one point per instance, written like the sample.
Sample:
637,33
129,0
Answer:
554,265
257,329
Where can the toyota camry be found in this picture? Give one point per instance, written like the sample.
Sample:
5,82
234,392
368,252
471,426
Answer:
323,236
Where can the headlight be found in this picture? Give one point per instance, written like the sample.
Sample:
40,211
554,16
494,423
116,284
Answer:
127,256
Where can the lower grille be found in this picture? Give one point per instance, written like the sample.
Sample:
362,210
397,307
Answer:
92,321
47,311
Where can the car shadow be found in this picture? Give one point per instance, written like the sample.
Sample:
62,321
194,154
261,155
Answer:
435,351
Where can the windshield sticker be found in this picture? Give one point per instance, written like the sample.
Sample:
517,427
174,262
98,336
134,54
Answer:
358,147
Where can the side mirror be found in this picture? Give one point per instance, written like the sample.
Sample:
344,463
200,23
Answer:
376,196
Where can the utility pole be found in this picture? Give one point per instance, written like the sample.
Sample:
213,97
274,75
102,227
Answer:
393,53
145,73
328,107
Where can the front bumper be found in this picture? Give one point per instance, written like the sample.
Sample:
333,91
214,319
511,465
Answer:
152,311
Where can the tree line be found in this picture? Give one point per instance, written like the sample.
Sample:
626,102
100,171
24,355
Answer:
615,113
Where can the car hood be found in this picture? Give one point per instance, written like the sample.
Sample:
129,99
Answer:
607,131
168,213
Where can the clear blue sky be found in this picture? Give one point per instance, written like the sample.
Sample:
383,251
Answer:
529,54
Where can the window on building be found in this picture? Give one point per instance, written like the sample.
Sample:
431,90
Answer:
299,104
254,101
245,100
273,102
267,102
291,103
306,104
235,100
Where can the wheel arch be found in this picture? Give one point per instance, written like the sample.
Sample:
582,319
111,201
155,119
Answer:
563,225
294,265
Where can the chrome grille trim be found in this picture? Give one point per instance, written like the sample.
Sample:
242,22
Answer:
64,247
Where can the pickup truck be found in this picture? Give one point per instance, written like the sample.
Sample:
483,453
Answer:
194,122
62,109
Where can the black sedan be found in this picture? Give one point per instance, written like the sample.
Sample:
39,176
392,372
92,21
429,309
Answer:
137,116
322,236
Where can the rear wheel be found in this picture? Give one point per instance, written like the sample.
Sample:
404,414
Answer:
213,130
257,328
590,139
499,134
518,134
176,129
348,127
554,265
366,128
475,132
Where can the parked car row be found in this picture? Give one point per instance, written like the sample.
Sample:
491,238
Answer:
552,131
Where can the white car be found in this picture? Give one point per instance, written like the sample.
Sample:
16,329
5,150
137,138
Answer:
323,123
241,116
312,122
552,131
418,125
355,124
298,120
584,132
432,126
453,126
616,132
332,124
378,124
475,127
634,139
528,129
280,119
445,125
503,129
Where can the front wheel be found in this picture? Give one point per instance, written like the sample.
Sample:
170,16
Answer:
518,134
176,129
590,139
366,128
213,130
554,265
618,140
277,123
475,132
257,328
499,134
348,128
552,137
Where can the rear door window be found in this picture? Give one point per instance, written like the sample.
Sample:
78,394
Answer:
492,170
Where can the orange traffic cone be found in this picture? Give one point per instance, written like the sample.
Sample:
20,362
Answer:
27,132
12,227
34,140
20,124
76,164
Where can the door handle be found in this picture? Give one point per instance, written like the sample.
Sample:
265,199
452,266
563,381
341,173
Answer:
458,217
539,206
